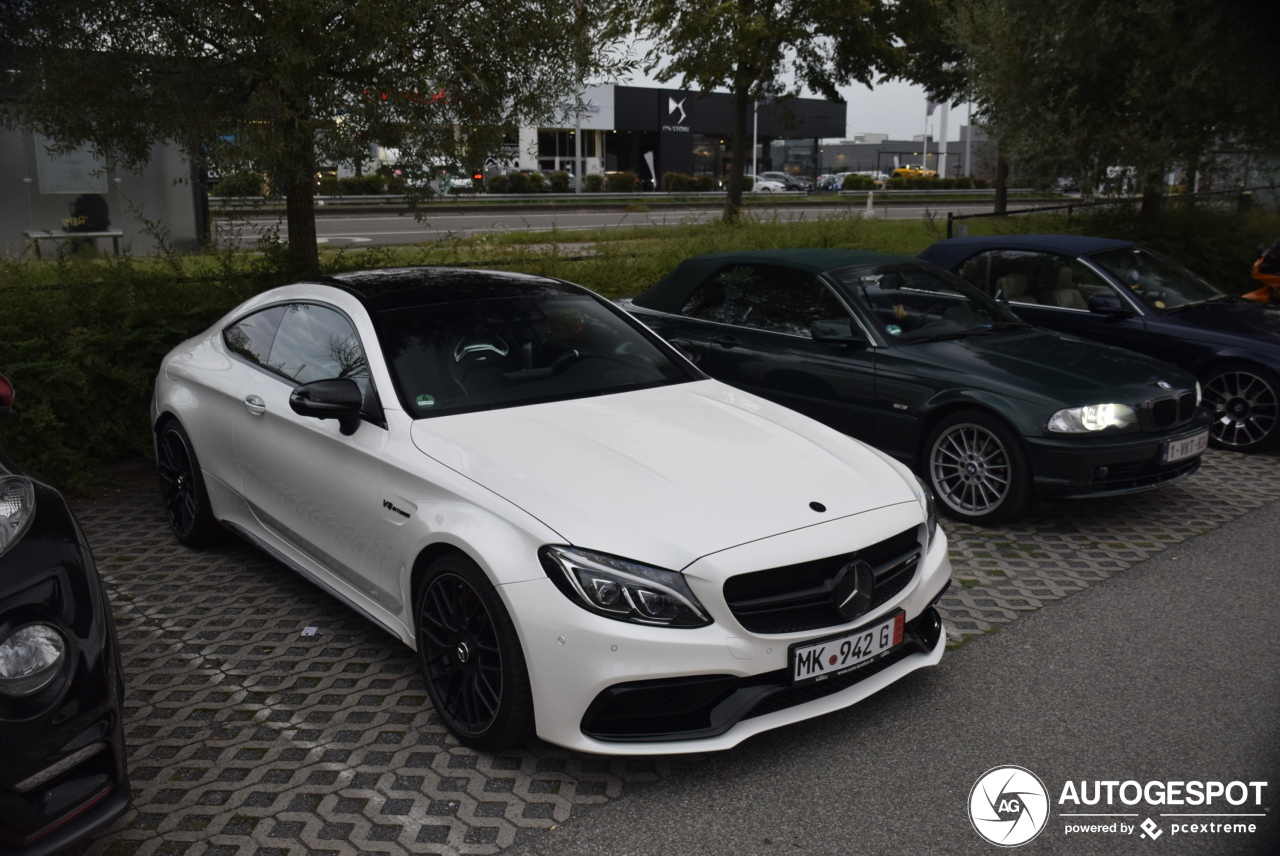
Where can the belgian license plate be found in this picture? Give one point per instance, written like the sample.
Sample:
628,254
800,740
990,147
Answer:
816,661
1184,447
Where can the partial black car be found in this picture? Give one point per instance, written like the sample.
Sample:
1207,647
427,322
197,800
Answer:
1126,295
62,754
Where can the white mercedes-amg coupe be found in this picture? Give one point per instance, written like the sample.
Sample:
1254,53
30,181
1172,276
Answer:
580,534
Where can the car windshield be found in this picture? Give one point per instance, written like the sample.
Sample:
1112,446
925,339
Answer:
508,351
917,302
1159,281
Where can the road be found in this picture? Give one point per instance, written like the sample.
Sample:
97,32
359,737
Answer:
382,227
1169,672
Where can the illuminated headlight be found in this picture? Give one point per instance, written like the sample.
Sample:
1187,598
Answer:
622,589
1092,417
925,496
17,507
30,658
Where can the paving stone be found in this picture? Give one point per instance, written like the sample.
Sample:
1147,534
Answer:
247,738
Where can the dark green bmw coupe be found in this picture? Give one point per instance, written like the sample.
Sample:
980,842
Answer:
915,361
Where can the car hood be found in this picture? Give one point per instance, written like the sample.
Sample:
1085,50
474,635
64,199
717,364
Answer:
1240,317
667,475
1057,369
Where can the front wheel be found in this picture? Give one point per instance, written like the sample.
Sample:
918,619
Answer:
471,658
977,468
182,489
1246,402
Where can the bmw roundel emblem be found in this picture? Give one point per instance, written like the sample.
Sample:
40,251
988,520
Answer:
1164,384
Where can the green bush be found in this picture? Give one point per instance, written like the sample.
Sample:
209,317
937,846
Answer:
858,182
981,184
363,185
678,182
593,182
330,187
239,184
395,184
964,183
704,183
620,182
898,183
518,182
499,184
537,182
559,181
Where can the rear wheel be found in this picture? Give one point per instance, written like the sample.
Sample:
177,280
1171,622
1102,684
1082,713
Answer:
977,468
470,656
1246,404
182,489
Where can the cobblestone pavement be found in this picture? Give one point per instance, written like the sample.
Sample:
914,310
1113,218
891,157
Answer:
250,734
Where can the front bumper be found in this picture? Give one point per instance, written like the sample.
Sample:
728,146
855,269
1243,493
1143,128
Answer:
1070,467
62,753
710,688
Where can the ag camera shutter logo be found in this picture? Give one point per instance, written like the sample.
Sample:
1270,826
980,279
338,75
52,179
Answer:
1008,806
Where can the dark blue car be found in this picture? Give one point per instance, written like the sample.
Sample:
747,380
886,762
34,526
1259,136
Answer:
1122,294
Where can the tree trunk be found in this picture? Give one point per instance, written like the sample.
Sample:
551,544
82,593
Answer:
737,155
304,252
1152,196
1002,184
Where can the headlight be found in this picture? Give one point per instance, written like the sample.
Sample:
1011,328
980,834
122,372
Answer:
925,496
17,507
622,589
1199,397
30,659
1092,417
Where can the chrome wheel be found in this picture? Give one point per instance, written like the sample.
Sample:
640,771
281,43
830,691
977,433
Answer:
977,468
1245,405
461,656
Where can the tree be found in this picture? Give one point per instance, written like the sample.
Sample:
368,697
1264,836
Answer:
760,49
1075,87
279,86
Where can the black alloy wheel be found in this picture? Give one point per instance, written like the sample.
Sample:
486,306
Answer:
182,489
977,468
471,657
1246,407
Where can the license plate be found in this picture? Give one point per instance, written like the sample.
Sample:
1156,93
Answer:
816,661
1184,447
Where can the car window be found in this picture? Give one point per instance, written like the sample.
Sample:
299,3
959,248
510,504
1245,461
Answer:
765,297
495,352
1159,281
316,343
915,302
1047,279
251,337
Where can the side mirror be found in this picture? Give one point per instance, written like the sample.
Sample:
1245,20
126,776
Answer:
1108,304
687,350
839,332
336,398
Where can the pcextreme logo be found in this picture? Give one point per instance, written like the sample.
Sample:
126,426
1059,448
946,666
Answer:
1009,806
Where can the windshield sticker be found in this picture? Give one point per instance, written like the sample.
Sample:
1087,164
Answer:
425,400
894,330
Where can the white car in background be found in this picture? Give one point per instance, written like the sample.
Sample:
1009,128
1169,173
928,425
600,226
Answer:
581,534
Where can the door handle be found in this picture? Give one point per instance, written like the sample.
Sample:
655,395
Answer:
255,405
725,341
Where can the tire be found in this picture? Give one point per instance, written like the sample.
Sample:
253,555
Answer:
977,468
1246,403
182,489
470,656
